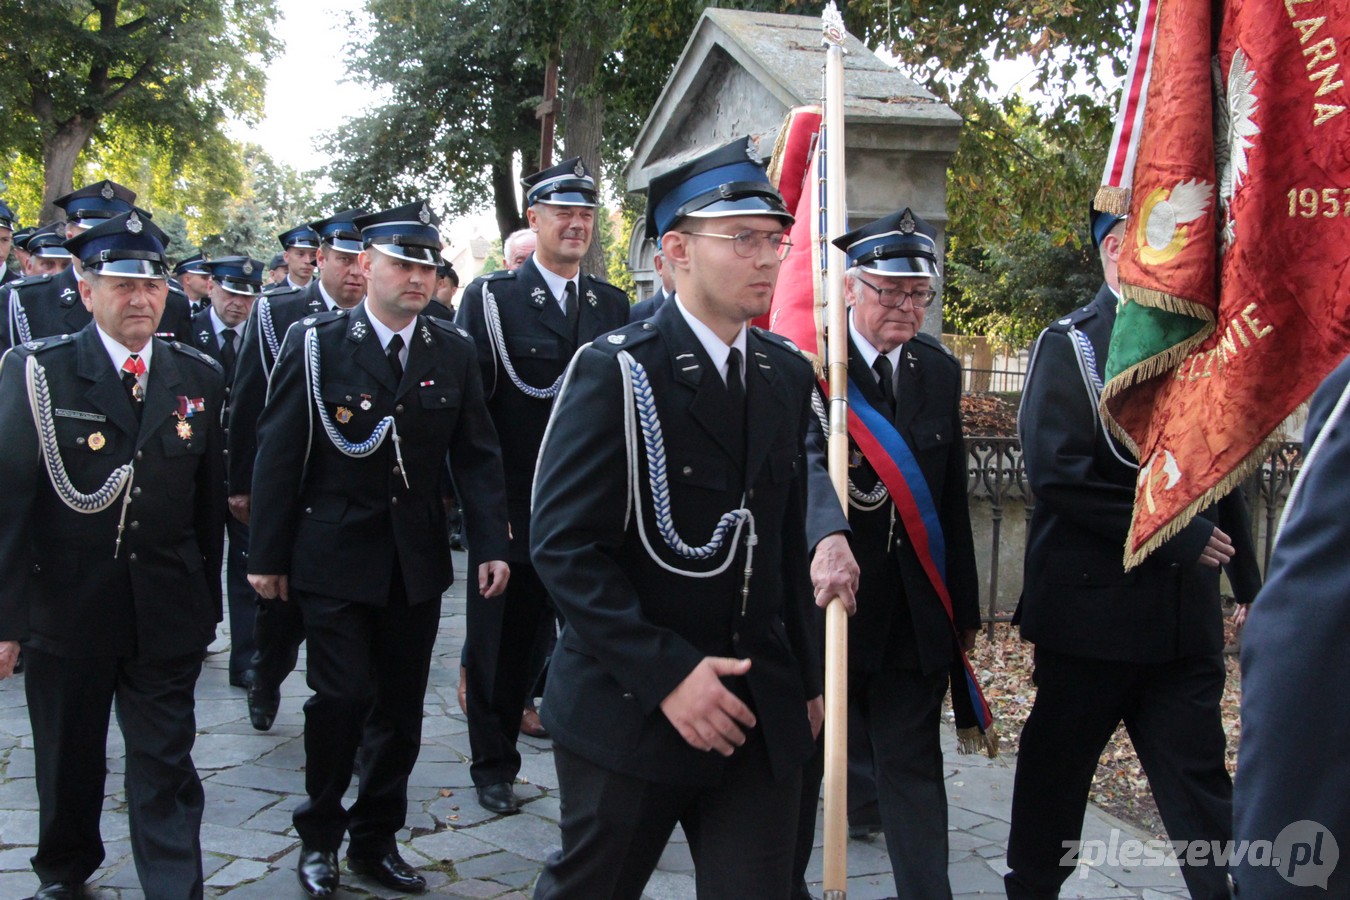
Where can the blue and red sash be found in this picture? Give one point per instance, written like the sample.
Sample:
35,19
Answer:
896,466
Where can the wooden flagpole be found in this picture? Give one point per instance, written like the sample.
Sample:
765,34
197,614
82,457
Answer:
833,263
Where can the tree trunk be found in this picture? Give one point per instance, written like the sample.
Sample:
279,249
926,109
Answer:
59,152
507,209
583,114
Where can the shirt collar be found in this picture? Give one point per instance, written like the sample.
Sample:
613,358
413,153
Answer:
869,353
119,353
716,348
557,284
385,333
327,298
300,286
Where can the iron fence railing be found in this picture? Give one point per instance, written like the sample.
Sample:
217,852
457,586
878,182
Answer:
997,479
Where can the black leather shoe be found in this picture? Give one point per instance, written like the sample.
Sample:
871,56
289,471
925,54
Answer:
498,798
262,705
317,872
244,679
390,870
61,890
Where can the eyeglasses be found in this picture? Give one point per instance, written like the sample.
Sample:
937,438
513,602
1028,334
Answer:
894,298
748,244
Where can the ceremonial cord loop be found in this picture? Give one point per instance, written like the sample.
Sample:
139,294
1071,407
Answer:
497,339
120,479
640,414
382,430
866,501
23,332
267,328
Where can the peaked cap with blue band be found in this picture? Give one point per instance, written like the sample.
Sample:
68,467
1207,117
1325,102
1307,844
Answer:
901,245
1101,224
192,265
301,236
129,245
48,242
339,230
7,216
22,236
405,232
569,183
237,274
727,181
95,202
278,262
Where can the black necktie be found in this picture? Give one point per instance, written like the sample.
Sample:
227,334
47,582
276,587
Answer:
570,308
886,381
229,350
392,350
735,386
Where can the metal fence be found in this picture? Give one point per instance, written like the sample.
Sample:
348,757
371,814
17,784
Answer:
997,479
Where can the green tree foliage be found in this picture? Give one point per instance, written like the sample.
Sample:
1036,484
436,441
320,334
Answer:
462,93
163,72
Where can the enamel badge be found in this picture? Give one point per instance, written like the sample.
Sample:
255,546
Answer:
97,441
343,415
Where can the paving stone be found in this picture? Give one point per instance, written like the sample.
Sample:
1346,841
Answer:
970,876
233,806
452,845
525,835
669,886
237,872
245,842
263,778
495,866
19,826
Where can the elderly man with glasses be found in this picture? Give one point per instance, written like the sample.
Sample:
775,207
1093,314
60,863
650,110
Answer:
903,640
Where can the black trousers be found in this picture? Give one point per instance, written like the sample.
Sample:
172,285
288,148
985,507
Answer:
615,827
278,632
368,669
243,600
1171,711
501,633
69,705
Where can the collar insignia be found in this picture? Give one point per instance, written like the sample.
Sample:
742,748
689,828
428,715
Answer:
426,334
617,339
537,296
358,329
590,298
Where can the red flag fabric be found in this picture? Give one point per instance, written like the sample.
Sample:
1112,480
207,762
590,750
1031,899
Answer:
1235,269
797,310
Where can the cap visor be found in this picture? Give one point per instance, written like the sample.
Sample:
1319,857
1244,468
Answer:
423,255
131,268
912,266
743,206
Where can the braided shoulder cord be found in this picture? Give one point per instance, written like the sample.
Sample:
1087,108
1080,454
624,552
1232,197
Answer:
385,427
1089,357
641,414
120,479
266,329
498,341
23,332
865,501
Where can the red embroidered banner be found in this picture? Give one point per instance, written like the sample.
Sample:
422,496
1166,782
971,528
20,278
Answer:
1235,269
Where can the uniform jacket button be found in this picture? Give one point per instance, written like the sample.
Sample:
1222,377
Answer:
132,557
393,501
398,410
309,510
687,470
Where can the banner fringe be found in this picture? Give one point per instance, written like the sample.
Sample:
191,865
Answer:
1113,200
971,741
1154,366
1221,489
1156,299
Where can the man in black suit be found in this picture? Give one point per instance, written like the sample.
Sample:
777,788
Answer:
1144,647
300,247
902,642
234,283
278,630
7,226
114,593
1291,784
348,523
645,309
44,306
195,280
526,324
684,687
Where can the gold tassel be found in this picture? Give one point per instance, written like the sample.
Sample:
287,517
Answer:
970,741
1113,200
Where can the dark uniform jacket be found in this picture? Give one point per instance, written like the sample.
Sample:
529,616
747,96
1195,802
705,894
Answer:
1293,664
61,588
900,618
645,309
635,630
338,524
50,305
11,274
539,344
1077,597
253,370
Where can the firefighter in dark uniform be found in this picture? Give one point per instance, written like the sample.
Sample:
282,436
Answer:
236,281
194,279
300,247
8,224
669,528
42,307
278,630
348,523
526,324
115,593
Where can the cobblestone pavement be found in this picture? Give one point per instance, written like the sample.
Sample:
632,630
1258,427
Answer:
254,780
